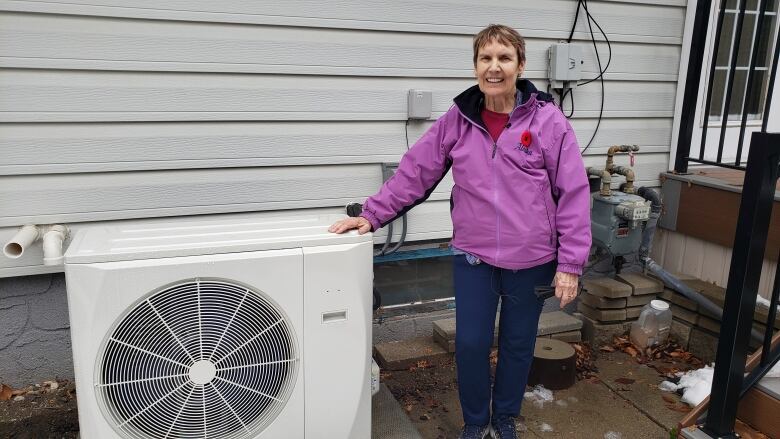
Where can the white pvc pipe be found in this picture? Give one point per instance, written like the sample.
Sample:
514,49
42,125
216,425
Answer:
22,239
52,244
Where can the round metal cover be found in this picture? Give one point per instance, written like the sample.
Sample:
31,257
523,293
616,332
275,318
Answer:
201,358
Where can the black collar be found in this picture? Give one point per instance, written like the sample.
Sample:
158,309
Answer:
471,101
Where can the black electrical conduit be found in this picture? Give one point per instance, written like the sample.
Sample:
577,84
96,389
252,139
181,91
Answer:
667,278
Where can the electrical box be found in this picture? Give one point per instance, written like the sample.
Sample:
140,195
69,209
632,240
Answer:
565,65
419,104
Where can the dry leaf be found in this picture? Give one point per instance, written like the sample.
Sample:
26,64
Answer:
6,393
625,381
606,348
669,398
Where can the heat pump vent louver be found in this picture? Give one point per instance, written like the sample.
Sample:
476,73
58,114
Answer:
201,358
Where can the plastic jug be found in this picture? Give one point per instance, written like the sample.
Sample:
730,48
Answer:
653,324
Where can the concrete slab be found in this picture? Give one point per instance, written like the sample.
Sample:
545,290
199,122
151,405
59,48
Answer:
568,337
598,334
388,420
602,302
602,315
549,323
606,287
639,385
641,284
447,345
588,410
640,300
556,322
401,355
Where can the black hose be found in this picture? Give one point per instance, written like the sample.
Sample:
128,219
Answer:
403,236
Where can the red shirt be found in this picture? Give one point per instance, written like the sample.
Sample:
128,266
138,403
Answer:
494,122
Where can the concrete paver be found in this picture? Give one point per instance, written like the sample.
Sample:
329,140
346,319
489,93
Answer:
641,284
643,392
606,287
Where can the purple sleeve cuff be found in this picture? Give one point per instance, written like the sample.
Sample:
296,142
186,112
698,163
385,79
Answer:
570,268
372,219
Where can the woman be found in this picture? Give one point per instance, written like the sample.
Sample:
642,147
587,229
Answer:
520,214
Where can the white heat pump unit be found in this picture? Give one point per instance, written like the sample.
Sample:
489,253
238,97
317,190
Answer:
222,329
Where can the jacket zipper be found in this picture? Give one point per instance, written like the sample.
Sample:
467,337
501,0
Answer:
547,212
495,183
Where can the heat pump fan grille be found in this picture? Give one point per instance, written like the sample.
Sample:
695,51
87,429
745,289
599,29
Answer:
197,359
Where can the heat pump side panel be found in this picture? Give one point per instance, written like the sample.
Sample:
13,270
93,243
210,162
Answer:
337,336
101,293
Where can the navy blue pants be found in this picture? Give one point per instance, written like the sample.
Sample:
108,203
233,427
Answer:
478,289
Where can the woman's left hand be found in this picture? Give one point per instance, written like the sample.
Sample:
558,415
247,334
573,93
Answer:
565,287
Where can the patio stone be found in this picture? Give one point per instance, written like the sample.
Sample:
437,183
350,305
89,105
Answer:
640,300
684,314
633,312
598,334
568,336
678,299
606,287
549,323
401,355
602,302
641,284
602,315
703,344
681,331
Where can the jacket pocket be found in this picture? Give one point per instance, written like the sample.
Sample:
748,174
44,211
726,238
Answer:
547,209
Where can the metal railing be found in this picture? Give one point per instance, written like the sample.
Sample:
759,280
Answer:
755,211
694,75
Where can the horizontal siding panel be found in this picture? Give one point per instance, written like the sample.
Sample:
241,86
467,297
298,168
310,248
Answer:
69,42
70,148
639,22
45,199
33,95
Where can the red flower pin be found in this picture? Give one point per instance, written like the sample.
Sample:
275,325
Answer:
525,138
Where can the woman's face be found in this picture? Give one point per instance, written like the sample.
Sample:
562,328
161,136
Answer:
496,69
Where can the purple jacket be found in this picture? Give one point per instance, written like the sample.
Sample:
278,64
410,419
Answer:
515,204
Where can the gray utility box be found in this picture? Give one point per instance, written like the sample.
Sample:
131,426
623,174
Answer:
616,222
565,65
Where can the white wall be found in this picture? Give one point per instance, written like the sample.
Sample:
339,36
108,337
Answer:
140,109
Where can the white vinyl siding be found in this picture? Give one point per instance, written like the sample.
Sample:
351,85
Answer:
117,110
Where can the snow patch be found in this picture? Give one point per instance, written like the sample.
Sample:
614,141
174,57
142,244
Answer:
764,302
774,372
539,396
612,435
545,427
696,385
668,386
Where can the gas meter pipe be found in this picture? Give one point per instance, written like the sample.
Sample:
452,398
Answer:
618,148
672,282
606,180
649,231
629,174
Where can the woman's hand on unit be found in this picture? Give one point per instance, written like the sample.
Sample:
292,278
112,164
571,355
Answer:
361,224
565,287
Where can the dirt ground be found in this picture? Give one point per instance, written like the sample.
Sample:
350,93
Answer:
621,402
39,411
